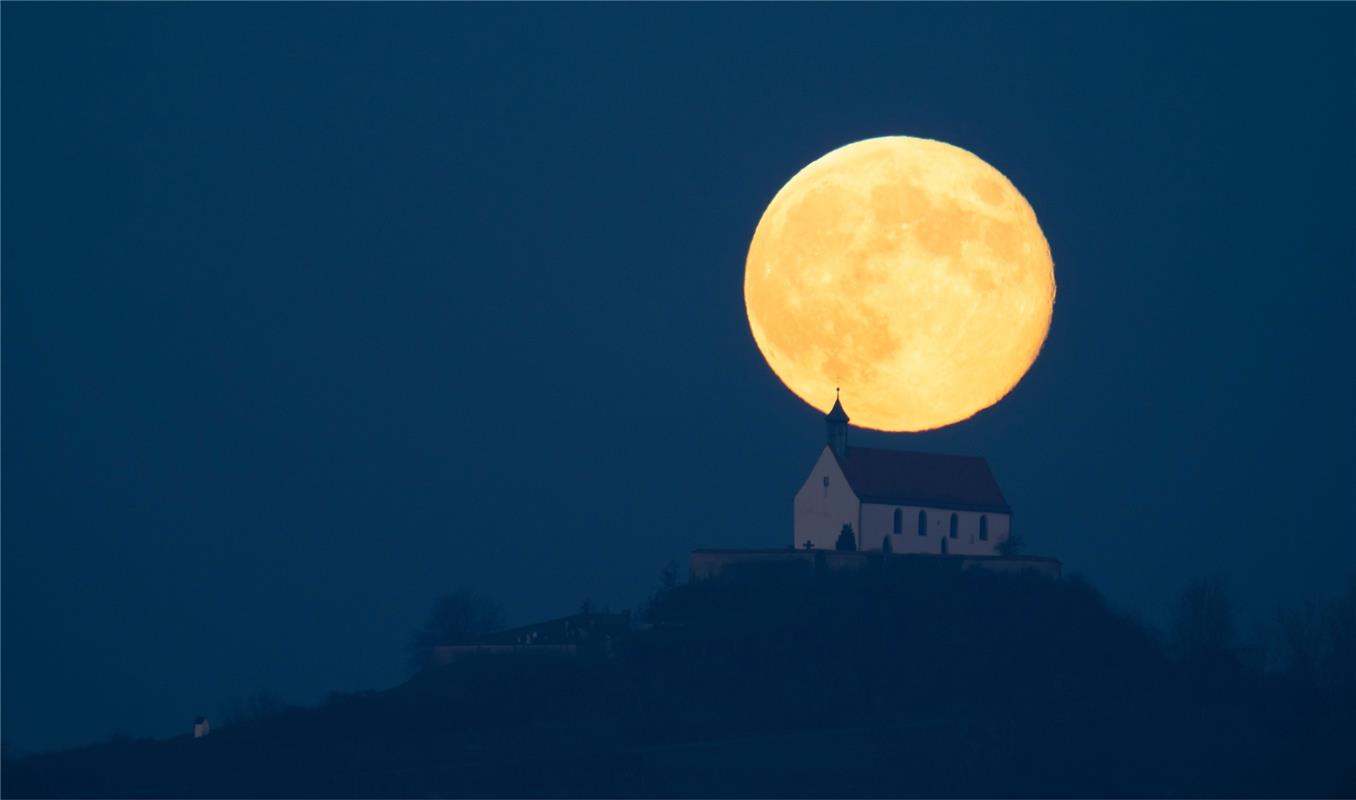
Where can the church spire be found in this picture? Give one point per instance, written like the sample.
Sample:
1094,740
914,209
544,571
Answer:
837,422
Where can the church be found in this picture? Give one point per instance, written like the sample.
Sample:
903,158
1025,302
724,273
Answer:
864,508
899,501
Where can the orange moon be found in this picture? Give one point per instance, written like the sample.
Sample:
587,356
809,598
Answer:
906,271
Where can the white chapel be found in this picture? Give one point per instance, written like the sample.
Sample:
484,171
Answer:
899,501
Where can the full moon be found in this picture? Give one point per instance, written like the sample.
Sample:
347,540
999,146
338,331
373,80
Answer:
906,271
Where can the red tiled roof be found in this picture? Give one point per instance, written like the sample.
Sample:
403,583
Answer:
901,477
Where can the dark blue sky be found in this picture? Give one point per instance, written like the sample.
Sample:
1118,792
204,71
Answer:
312,312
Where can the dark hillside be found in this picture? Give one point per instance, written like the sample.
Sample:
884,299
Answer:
906,680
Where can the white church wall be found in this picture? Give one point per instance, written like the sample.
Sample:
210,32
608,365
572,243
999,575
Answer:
821,509
878,522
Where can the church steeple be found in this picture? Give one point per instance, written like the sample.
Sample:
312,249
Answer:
837,422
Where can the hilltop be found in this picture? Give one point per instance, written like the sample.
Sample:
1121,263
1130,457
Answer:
905,680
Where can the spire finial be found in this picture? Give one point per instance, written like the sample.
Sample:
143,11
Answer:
837,413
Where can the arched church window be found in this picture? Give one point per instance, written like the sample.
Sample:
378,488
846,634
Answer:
922,523
984,528
899,520
955,526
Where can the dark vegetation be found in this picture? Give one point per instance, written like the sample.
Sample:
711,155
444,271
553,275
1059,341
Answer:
847,541
257,704
908,680
457,618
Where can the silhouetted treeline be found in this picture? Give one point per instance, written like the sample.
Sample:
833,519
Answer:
909,679
457,617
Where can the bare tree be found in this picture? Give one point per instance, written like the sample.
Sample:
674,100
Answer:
1299,645
1339,629
456,618
668,582
1317,642
1203,626
668,578
258,704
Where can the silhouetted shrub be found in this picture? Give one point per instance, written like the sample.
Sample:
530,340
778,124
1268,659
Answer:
847,541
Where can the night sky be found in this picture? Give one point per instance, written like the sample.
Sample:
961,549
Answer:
314,312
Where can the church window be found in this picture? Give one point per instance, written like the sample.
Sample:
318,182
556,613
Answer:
922,523
955,526
899,520
984,528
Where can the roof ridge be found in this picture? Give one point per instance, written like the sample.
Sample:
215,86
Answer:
912,477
